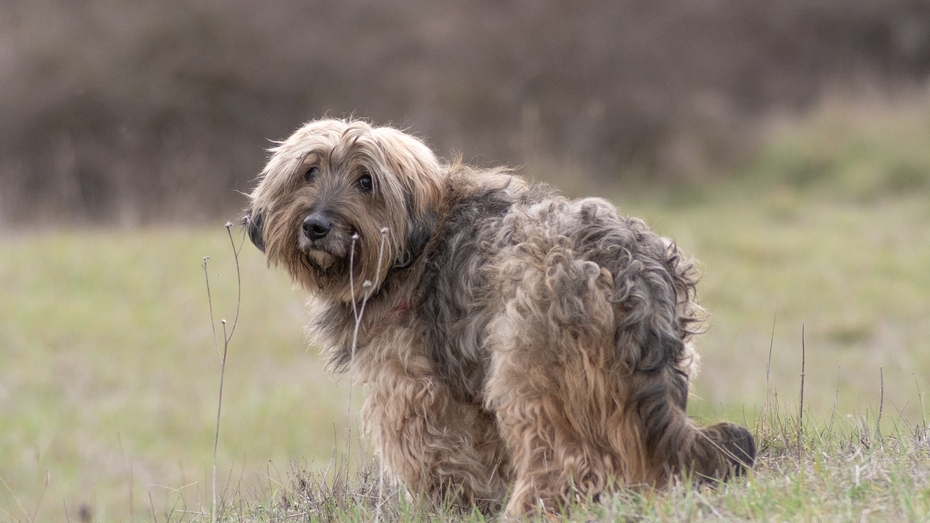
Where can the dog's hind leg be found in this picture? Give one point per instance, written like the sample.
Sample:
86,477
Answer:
549,348
652,429
658,440
581,402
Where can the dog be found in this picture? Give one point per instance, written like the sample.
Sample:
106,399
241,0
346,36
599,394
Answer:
521,350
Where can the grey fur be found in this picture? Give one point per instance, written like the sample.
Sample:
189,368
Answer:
513,335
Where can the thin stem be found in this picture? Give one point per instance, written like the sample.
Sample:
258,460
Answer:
801,411
227,337
768,368
206,275
219,410
881,403
359,313
13,494
238,280
352,282
920,398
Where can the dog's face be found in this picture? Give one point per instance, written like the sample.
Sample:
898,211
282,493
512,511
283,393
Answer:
341,198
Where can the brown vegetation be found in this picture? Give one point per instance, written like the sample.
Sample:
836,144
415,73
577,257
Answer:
126,112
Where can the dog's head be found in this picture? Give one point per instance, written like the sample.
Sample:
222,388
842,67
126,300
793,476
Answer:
342,198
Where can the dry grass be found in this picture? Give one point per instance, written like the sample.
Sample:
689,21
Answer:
846,472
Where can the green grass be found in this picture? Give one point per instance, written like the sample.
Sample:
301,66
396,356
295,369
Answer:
845,472
109,375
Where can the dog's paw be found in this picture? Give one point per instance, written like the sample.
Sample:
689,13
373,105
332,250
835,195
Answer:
737,446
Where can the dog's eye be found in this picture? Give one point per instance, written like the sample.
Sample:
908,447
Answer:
364,183
311,174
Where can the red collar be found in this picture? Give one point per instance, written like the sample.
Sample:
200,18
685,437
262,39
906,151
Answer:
401,307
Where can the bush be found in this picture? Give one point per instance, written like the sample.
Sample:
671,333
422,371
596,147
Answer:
131,112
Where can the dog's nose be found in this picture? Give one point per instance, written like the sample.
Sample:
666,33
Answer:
317,226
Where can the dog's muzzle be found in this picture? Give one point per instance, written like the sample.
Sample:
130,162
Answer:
256,227
316,226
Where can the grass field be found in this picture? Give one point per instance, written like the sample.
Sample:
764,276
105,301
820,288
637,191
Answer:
109,374
109,377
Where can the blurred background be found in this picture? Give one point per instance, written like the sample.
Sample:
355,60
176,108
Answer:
786,144
127,113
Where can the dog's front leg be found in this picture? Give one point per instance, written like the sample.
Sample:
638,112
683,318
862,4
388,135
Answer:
445,451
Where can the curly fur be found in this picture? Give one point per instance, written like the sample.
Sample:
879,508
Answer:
513,339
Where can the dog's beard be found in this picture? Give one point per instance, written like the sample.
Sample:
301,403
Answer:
327,272
318,256
331,261
321,260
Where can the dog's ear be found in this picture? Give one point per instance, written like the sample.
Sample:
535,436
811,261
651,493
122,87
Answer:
255,224
417,169
419,232
419,181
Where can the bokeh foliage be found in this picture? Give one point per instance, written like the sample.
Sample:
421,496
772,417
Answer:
115,111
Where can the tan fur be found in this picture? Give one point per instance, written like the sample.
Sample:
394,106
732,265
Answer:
509,336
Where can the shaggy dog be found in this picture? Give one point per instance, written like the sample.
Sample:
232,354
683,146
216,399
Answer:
506,334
